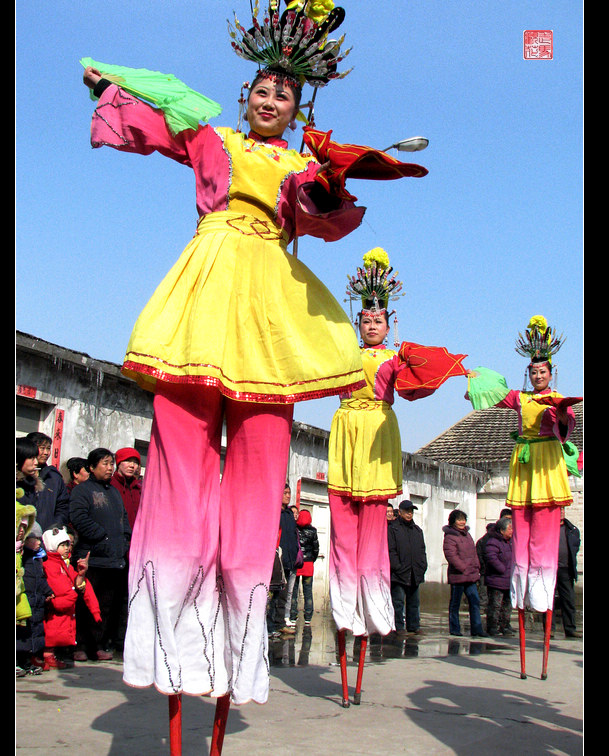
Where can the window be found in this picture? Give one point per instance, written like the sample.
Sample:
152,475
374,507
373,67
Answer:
28,417
142,448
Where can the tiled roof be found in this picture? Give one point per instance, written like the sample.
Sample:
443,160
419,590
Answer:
482,438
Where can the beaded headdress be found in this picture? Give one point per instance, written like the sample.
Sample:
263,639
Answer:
539,342
374,284
293,44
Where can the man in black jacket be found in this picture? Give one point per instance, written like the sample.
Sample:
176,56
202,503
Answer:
408,562
566,576
279,604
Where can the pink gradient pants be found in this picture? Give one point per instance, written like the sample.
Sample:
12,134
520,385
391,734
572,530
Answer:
360,589
534,556
203,545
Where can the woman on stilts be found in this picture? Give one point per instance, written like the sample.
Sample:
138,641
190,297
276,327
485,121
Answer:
237,332
365,460
541,462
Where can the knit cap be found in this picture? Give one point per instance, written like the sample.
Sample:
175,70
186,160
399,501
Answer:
126,453
53,537
35,532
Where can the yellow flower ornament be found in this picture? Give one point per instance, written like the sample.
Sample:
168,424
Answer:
538,322
376,256
316,10
539,342
375,283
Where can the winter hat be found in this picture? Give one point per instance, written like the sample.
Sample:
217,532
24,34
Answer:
35,532
126,453
304,518
53,537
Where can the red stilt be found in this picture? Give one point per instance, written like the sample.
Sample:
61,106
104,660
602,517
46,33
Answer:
521,635
175,724
220,717
342,657
546,644
357,696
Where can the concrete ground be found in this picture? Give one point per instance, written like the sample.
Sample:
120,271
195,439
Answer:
435,694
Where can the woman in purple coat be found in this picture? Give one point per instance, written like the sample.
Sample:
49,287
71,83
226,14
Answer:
463,572
498,559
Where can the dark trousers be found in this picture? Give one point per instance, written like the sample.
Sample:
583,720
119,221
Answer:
471,594
498,610
565,591
406,606
276,611
110,587
307,592
482,593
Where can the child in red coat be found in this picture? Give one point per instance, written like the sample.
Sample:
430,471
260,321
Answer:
67,584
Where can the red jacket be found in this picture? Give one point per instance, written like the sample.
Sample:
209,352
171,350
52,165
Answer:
130,493
60,613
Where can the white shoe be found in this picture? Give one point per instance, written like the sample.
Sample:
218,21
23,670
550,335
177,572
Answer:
289,623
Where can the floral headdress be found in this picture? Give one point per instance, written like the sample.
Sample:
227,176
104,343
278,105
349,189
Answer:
539,342
293,44
374,284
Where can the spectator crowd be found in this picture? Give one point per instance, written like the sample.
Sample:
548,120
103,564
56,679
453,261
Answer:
72,554
72,560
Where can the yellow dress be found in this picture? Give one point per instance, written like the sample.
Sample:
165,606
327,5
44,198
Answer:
365,448
237,311
538,473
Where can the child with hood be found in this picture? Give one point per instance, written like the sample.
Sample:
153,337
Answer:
67,583
25,516
29,639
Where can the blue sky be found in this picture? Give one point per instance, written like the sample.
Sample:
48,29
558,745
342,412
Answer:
492,235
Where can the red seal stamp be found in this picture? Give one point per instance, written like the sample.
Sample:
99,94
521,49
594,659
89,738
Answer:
538,44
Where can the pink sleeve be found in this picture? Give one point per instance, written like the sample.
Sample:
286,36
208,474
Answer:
130,125
385,380
551,427
300,213
511,401
329,226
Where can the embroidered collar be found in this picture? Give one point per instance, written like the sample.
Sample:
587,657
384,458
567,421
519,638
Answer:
275,141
